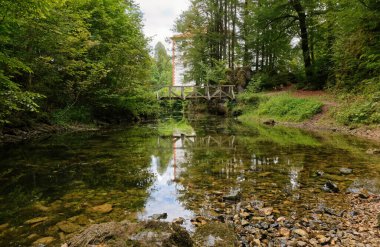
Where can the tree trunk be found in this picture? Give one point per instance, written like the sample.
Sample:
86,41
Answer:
296,4
246,56
234,16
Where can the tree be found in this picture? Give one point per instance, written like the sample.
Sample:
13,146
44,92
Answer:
78,53
162,66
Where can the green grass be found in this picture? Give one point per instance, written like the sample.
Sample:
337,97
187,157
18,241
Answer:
282,107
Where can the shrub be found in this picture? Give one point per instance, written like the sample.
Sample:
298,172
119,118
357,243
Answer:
360,112
72,114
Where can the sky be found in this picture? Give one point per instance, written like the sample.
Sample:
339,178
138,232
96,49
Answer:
159,17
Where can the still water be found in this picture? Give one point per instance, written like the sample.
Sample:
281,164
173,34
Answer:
54,187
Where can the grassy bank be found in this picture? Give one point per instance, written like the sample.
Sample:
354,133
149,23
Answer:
279,107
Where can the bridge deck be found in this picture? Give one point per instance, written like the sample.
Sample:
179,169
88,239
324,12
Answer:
196,92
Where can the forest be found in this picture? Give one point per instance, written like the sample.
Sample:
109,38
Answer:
79,60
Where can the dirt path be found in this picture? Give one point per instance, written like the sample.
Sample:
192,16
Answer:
324,120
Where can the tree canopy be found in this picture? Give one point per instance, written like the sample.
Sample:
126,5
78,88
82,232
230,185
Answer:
66,53
329,43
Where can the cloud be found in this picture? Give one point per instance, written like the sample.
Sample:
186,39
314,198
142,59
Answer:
159,17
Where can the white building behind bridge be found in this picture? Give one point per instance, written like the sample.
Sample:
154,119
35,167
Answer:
179,67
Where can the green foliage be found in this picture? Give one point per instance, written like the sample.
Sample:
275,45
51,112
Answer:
162,67
215,74
72,115
81,53
249,98
360,111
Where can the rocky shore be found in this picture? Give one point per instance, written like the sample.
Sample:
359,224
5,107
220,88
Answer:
248,223
17,135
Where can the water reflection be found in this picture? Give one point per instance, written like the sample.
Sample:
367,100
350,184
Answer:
165,192
137,171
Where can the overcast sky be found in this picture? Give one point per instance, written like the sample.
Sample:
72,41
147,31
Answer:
159,17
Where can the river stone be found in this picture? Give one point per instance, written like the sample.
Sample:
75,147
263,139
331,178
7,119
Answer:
330,187
244,223
36,220
43,241
345,171
266,211
313,242
301,243
159,216
68,227
256,218
280,219
224,234
41,207
319,173
4,226
32,236
301,232
234,195
373,151
212,241
322,239
199,221
104,208
285,232
264,174
179,220
80,220
245,215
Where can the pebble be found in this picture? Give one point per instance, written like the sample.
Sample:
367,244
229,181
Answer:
301,232
301,243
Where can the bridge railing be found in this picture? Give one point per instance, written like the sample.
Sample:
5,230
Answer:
207,92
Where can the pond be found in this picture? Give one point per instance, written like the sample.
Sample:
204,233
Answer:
55,186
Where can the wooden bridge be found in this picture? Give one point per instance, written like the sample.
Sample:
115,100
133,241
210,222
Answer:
207,92
204,142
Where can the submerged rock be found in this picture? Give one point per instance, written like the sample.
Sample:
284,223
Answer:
199,221
159,216
301,232
156,233
36,220
103,209
285,232
80,220
221,235
373,151
345,171
68,227
32,236
266,211
148,233
44,240
4,227
319,173
234,195
330,187
179,221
